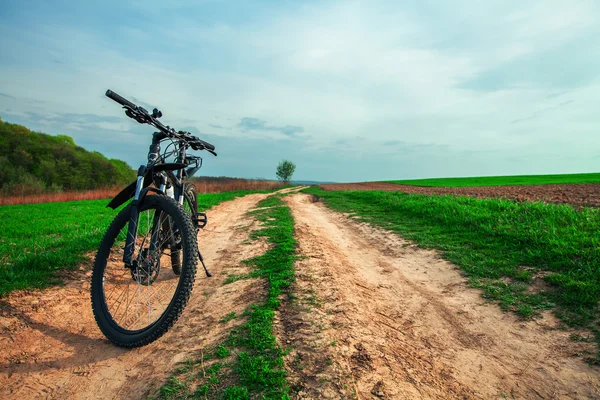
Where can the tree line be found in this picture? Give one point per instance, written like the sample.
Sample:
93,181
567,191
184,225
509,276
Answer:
32,162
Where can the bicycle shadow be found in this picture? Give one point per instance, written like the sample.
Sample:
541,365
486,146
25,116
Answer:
83,350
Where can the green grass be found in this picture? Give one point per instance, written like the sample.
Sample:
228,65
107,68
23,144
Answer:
228,317
38,240
256,370
504,180
502,246
236,277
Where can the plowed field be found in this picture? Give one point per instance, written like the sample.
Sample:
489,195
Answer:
580,195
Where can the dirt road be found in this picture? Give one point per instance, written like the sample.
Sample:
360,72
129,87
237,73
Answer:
50,346
381,318
375,317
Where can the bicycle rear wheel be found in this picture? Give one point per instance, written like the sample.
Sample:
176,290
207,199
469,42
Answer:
190,202
135,305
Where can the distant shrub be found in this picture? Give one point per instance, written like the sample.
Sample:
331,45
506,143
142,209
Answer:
35,162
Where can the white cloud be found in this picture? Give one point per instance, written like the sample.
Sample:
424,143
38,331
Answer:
376,70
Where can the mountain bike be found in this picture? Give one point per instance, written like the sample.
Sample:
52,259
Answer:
145,266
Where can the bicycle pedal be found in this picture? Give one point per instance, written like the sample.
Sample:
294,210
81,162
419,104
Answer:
202,220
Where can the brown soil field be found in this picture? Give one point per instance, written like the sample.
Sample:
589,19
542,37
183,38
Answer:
580,195
375,317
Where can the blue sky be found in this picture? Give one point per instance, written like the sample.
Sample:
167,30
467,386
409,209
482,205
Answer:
348,90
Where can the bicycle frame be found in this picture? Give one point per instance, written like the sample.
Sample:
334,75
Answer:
156,165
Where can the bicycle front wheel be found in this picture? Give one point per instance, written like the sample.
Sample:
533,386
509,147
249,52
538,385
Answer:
136,304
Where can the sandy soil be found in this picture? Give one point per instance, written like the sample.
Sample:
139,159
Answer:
377,317
374,317
579,195
50,346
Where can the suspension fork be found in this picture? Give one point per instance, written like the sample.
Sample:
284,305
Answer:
133,219
179,189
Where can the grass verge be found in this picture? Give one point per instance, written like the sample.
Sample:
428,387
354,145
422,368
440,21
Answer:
249,363
504,180
38,240
527,256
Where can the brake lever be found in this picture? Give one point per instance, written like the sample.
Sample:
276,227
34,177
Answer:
139,114
211,152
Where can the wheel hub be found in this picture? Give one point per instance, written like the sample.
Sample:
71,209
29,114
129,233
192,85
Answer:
146,268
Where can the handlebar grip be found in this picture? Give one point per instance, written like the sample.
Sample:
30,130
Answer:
206,144
121,100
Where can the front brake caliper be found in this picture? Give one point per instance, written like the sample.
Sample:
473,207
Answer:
145,269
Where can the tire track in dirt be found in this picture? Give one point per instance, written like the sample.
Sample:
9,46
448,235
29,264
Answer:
377,317
50,346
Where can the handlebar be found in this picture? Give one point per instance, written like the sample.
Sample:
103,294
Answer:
121,100
143,117
207,145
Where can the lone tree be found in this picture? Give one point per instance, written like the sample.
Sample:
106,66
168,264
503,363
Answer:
285,170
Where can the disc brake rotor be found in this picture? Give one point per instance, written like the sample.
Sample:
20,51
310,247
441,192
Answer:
146,268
